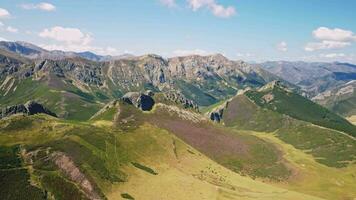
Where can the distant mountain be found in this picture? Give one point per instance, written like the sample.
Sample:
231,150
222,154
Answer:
34,52
314,77
341,99
22,48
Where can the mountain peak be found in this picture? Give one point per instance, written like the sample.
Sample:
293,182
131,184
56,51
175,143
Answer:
272,85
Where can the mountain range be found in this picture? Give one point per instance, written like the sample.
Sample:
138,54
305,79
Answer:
85,126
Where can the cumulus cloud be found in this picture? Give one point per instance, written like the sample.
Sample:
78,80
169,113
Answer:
330,39
180,52
216,8
168,3
282,46
313,46
4,13
72,39
40,6
11,29
336,34
67,35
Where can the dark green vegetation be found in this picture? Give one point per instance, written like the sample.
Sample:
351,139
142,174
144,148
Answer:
144,168
329,147
15,178
191,91
298,107
127,196
66,101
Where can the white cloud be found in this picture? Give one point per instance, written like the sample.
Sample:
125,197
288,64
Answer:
72,39
1,24
180,52
168,3
313,46
333,55
67,35
11,29
217,9
282,46
330,39
40,6
4,13
336,34
3,39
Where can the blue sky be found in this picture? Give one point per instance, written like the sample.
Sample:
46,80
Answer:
252,30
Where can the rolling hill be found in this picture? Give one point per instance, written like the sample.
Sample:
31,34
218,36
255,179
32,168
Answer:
123,155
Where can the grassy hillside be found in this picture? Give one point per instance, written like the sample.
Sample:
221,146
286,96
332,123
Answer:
298,107
65,100
142,163
329,147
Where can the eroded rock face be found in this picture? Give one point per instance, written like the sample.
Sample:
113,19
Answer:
29,108
179,98
140,100
216,115
67,166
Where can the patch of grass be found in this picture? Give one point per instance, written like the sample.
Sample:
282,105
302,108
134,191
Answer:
144,168
191,91
14,178
60,187
15,185
18,124
330,147
82,155
9,157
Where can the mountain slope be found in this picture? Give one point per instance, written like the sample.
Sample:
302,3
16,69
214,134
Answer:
314,78
274,97
341,100
264,110
77,160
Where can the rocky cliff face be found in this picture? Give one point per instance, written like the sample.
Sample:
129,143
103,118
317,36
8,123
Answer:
180,99
140,100
29,108
212,76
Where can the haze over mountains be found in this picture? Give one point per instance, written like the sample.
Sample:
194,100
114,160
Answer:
189,127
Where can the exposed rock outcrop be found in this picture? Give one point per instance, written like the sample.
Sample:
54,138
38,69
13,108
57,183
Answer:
68,167
140,100
29,108
216,115
179,98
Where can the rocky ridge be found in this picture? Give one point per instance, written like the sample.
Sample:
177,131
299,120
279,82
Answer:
29,108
